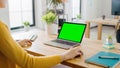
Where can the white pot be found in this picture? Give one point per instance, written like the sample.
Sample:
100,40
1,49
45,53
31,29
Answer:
51,28
26,28
109,41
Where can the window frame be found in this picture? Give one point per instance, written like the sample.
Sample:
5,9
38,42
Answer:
33,10
80,6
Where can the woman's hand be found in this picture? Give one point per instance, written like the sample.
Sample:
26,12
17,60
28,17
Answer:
25,43
71,53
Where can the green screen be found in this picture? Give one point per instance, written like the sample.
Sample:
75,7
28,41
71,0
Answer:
72,32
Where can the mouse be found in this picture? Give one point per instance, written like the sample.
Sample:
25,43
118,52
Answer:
77,56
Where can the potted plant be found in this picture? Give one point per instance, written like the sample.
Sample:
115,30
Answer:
51,22
109,40
109,43
49,18
26,25
79,16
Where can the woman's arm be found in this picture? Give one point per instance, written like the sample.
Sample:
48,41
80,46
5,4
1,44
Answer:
14,52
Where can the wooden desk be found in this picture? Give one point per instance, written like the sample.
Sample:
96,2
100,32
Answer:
89,48
100,22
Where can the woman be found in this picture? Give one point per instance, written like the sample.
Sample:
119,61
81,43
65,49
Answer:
10,51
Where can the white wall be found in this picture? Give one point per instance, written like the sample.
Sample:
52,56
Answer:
92,9
38,12
4,13
68,9
107,8
96,8
40,7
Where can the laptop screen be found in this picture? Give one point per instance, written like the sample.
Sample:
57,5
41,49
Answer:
72,32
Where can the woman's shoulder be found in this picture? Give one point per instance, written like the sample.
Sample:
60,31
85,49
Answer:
2,24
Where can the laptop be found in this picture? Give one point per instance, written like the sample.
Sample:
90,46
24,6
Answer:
71,35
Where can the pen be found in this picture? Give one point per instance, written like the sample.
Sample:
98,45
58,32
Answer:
108,57
31,37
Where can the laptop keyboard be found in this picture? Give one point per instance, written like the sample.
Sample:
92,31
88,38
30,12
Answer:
64,42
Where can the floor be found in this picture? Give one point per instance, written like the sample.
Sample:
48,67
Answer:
107,30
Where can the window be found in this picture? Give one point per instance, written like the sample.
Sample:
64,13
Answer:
21,11
76,4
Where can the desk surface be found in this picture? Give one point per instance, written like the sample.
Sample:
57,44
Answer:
89,48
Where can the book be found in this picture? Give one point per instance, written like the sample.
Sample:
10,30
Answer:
110,62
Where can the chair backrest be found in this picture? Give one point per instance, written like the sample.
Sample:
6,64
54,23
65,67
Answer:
118,32
118,26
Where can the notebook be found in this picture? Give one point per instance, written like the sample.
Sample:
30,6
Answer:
71,35
105,62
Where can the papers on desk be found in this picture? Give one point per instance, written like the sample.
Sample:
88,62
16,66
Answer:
105,59
25,35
